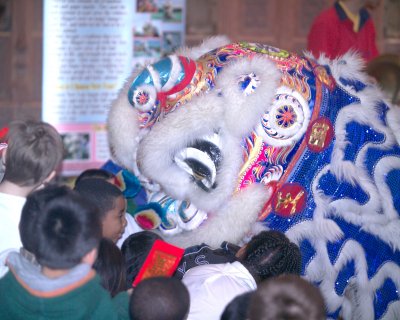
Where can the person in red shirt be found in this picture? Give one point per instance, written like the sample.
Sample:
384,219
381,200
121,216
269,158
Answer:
345,26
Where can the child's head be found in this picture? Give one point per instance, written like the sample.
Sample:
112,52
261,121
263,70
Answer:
237,309
34,207
67,229
159,298
287,297
111,202
135,250
110,267
95,173
33,154
269,254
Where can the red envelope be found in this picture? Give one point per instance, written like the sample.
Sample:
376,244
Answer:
162,261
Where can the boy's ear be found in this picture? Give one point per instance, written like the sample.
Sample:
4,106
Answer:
46,181
90,257
49,177
3,153
241,252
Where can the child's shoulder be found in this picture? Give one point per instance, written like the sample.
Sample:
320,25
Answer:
89,301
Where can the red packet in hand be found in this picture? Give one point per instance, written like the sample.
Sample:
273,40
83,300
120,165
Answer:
162,261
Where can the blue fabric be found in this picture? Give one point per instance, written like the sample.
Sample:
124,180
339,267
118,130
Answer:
377,252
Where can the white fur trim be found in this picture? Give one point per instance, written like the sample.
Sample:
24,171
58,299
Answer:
155,77
224,225
388,271
123,128
393,120
207,45
368,215
321,270
243,113
348,66
393,311
325,229
382,169
176,69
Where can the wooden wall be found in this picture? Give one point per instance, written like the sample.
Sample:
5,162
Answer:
20,59
281,23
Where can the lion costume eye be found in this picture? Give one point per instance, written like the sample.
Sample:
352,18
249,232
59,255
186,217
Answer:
144,97
201,160
287,119
248,83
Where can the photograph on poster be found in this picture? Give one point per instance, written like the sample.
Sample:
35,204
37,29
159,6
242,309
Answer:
154,46
172,40
144,27
146,6
147,47
76,145
140,48
169,11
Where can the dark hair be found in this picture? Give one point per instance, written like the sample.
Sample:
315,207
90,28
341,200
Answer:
135,250
237,309
110,266
94,173
287,297
33,207
269,254
67,229
159,298
35,149
100,192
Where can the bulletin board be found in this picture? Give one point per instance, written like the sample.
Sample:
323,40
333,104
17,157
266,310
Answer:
89,48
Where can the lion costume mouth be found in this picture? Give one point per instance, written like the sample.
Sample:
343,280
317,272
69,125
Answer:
201,160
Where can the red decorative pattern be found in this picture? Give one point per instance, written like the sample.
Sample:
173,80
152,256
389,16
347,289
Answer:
289,200
319,134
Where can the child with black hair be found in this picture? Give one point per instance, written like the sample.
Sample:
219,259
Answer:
110,266
111,203
287,297
65,238
131,226
95,173
135,250
213,286
159,298
270,254
237,309
31,210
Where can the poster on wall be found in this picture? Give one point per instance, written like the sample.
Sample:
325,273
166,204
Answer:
159,29
89,48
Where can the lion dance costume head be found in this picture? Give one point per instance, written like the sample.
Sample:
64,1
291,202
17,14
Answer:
227,136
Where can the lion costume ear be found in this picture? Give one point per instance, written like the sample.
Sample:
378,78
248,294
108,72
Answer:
248,87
